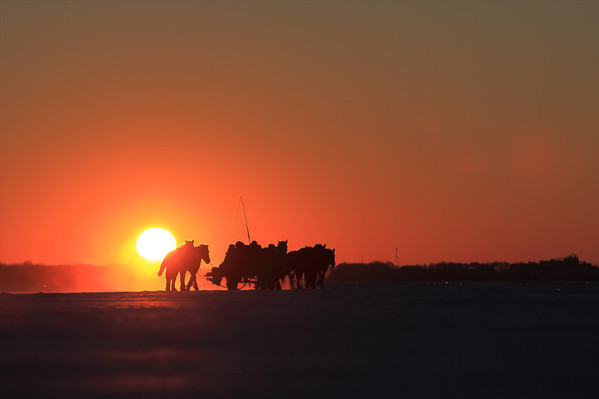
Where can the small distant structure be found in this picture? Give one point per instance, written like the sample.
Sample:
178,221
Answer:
571,260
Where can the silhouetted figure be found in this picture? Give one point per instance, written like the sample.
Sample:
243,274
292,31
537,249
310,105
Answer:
231,266
251,264
186,258
271,266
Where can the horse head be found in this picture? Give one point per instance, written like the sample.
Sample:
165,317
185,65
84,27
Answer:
330,257
283,246
326,255
203,253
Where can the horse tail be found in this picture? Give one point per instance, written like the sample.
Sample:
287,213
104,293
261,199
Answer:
163,264
162,267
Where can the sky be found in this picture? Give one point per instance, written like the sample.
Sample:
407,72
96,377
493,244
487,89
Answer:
452,131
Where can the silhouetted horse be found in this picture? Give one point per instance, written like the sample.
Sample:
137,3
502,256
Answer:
203,254
186,258
310,264
326,260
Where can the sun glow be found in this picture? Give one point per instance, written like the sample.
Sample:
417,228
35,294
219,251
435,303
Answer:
155,243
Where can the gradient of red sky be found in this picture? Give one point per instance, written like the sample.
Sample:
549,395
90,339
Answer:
458,131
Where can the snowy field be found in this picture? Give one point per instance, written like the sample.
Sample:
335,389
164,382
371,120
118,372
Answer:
485,340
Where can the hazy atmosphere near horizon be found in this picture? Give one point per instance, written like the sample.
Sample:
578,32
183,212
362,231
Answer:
453,131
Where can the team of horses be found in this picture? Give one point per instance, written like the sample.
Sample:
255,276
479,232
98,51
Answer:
266,268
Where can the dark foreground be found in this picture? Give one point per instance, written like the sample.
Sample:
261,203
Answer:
499,340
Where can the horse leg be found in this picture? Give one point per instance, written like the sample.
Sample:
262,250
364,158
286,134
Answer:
195,283
309,278
320,281
171,281
169,278
192,280
298,277
182,274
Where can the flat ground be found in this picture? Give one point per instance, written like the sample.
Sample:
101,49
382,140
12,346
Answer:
429,340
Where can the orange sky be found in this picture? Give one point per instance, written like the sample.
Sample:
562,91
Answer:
458,131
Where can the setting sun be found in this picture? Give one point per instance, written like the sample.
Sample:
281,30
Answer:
155,243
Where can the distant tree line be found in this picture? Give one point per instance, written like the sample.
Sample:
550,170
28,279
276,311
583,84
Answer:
562,269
